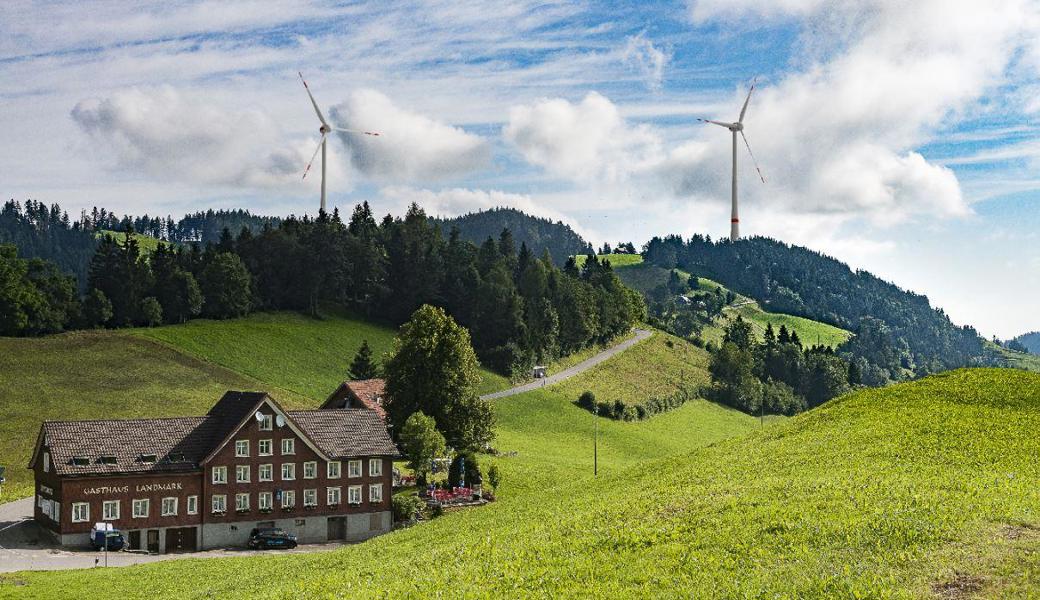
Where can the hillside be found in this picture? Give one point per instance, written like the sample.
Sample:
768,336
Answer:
172,371
1031,341
905,492
91,375
539,234
642,276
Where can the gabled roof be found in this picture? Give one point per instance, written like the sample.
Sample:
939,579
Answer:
127,440
346,432
368,392
186,443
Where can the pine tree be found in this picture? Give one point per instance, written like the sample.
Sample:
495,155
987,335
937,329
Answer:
363,366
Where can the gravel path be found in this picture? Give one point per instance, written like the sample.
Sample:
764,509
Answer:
588,363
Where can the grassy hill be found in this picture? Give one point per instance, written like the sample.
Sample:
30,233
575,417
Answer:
94,375
645,277
924,489
146,243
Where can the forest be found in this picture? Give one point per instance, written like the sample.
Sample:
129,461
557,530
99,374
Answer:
519,308
899,335
537,233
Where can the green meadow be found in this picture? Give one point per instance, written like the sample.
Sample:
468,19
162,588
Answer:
904,492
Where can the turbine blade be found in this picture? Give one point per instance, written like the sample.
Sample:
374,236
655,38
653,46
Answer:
375,133
313,156
317,110
719,123
755,162
743,111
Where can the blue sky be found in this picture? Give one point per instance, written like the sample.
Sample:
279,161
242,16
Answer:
896,136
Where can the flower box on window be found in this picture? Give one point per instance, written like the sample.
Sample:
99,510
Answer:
310,506
265,511
241,511
334,505
354,503
288,508
219,513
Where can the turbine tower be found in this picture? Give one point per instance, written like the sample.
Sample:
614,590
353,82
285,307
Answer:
324,130
735,128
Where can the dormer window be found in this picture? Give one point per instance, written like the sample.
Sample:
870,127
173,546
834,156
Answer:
177,457
149,458
81,461
107,460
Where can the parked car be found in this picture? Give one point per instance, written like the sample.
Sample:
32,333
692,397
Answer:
265,539
116,541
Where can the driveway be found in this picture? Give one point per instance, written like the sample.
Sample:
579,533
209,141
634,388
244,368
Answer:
585,365
24,546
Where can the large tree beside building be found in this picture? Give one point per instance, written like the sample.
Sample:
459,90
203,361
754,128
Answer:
433,369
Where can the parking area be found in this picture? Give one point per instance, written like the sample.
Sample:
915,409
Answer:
25,547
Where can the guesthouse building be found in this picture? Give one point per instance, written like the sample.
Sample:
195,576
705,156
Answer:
186,483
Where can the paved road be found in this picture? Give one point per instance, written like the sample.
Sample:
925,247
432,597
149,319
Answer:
588,363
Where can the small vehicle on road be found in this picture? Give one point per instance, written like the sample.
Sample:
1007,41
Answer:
115,538
267,538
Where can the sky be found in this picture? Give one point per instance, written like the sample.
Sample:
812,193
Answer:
896,136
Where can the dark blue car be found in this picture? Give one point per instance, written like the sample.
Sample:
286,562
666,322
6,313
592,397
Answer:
115,540
271,538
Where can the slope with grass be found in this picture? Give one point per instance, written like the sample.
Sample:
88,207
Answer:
644,277
146,243
307,355
96,375
904,492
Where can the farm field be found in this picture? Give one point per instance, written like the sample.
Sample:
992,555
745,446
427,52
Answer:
904,492
94,375
309,356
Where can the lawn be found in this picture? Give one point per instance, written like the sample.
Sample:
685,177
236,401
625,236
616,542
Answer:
97,375
307,355
616,260
917,490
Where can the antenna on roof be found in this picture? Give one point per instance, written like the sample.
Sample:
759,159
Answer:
279,420
259,416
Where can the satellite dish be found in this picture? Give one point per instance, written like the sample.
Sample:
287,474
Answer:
259,416
279,420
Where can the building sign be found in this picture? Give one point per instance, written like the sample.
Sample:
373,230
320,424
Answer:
125,489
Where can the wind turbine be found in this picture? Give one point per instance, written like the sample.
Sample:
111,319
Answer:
735,128
324,130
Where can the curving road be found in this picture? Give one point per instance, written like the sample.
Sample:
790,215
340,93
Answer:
588,363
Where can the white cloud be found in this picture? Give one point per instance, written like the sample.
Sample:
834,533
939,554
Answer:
588,141
410,147
647,59
170,136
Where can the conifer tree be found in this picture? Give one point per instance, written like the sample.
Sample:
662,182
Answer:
363,366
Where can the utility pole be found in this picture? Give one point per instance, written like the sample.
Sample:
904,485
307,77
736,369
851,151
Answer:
595,443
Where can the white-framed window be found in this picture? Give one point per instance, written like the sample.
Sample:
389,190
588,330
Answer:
169,506
193,505
110,510
46,462
265,447
310,469
219,503
288,498
334,469
219,474
242,473
288,471
140,508
288,446
310,497
241,448
354,494
375,467
267,424
265,500
80,512
332,496
266,472
242,502
354,468
375,492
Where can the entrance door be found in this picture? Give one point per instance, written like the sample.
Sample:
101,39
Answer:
153,540
135,540
337,528
181,539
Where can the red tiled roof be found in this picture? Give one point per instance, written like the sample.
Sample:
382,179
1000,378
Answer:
369,392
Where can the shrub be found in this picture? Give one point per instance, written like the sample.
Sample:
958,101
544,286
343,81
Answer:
494,477
473,474
151,312
407,507
587,400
